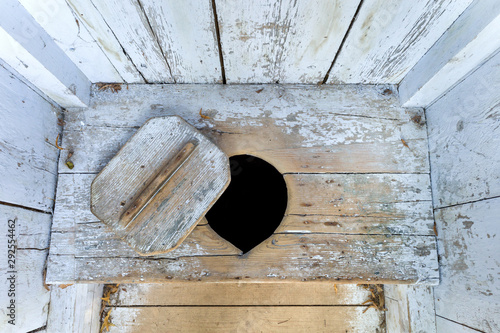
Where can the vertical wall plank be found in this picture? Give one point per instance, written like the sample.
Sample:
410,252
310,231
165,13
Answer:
104,36
266,41
72,37
390,36
464,139
469,247
31,233
28,158
186,32
130,26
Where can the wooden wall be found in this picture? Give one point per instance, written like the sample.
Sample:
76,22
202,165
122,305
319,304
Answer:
29,125
464,143
261,41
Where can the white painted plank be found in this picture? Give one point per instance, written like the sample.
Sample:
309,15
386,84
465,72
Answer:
75,308
90,17
32,228
130,26
469,42
186,32
470,283
389,37
31,299
28,129
446,326
291,42
27,48
464,139
72,37
409,309
31,234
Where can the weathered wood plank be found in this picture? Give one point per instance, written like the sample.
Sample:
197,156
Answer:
198,173
356,194
32,228
410,309
470,287
464,139
332,319
96,240
58,20
28,158
471,39
296,129
238,294
408,213
389,37
282,257
27,48
290,42
134,34
186,33
75,308
93,21
31,298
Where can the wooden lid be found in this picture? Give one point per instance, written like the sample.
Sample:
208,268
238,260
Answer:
159,185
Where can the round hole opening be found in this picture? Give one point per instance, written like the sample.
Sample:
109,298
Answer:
252,206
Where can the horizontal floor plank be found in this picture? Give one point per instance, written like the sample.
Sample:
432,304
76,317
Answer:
332,319
282,257
213,294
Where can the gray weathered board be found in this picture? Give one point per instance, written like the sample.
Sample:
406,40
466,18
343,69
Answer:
160,185
354,162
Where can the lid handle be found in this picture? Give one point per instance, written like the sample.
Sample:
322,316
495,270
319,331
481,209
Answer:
157,183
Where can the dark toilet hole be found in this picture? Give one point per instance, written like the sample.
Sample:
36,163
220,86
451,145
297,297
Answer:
252,206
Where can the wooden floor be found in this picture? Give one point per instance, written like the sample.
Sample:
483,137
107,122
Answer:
243,307
355,164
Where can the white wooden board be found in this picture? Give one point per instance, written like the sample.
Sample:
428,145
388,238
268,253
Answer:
469,247
27,48
291,42
410,309
75,308
467,44
389,37
186,33
130,26
59,21
464,139
87,14
28,158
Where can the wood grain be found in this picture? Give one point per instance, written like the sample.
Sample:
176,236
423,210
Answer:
410,309
75,308
28,158
469,266
464,47
89,16
464,139
28,49
288,42
59,21
378,213
332,319
186,34
179,205
134,34
389,37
